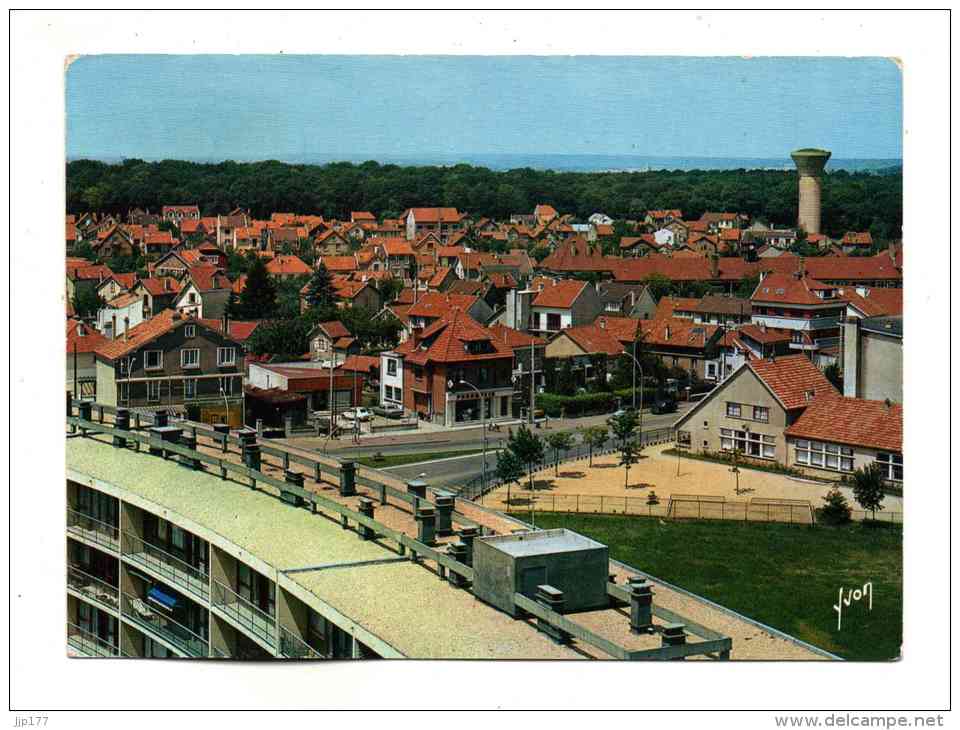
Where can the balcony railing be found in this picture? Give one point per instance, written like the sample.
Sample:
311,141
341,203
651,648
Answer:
93,588
293,647
167,566
88,643
244,613
93,529
151,619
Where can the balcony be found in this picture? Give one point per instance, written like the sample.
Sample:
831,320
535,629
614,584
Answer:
797,323
93,530
293,647
183,640
89,644
93,589
166,567
243,614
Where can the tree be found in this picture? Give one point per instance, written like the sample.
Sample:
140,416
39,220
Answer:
320,291
258,300
836,511
624,425
528,448
286,338
594,437
660,286
868,487
560,441
509,470
566,384
833,374
629,455
86,302
748,285
233,306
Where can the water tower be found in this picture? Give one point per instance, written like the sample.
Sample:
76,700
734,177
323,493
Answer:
810,164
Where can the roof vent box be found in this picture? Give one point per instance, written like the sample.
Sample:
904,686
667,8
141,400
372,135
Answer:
519,562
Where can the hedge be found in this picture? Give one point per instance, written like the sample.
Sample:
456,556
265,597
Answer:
588,404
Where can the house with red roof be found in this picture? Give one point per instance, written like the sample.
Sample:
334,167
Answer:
834,437
204,292
157,293
581,345
454,372
82,343
176,213
751,411
562,303
443,221
175,362
331,341
287,267
432,306
808,308
856,241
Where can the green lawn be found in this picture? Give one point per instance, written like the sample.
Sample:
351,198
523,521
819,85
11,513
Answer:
403,459
786,576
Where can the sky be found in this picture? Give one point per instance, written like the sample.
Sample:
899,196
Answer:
286,107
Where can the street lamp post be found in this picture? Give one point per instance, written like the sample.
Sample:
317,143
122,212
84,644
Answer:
483,438
637,366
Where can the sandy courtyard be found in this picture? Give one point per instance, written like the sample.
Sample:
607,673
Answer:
580,488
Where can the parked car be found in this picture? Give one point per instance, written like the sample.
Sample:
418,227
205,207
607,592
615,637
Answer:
360,414
664,405
389,410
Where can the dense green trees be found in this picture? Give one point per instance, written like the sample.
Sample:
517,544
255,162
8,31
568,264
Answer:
258,300
851,201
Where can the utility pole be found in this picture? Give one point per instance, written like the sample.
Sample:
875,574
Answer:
533,397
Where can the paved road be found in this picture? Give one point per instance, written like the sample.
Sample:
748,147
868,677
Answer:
458,470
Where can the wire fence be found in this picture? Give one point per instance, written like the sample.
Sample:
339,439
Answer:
704,507
478,486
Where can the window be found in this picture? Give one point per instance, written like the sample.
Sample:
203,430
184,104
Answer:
756,445
190,358
190,331
153,359
391,366
153,391
190,388
553,321
322,344
536,320
124,363
226,386
711,370
891,465
124,394
226,356
733,410
823,455
761,414
192,298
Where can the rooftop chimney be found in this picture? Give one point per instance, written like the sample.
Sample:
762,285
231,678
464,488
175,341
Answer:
126,327
666,332
113,328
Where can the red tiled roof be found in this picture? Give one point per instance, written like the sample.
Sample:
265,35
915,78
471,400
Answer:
339,263
437,278
288,265
592,339
434,304
657,214
514,338
334,329
790,289
667,306
674,332
71,231
559,294
854,238
576,254
625,329
446,341
89,341
466,286
362,215
159,285
604,229
765,335
238,330
876,302
434,215
361,364
502,280
87,271
627,242
794,380
207,278
143,333
852,421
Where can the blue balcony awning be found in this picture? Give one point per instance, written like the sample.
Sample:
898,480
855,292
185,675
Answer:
165,600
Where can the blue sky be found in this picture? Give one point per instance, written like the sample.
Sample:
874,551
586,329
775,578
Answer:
284,107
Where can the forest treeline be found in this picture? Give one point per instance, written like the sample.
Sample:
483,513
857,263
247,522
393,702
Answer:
851,201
